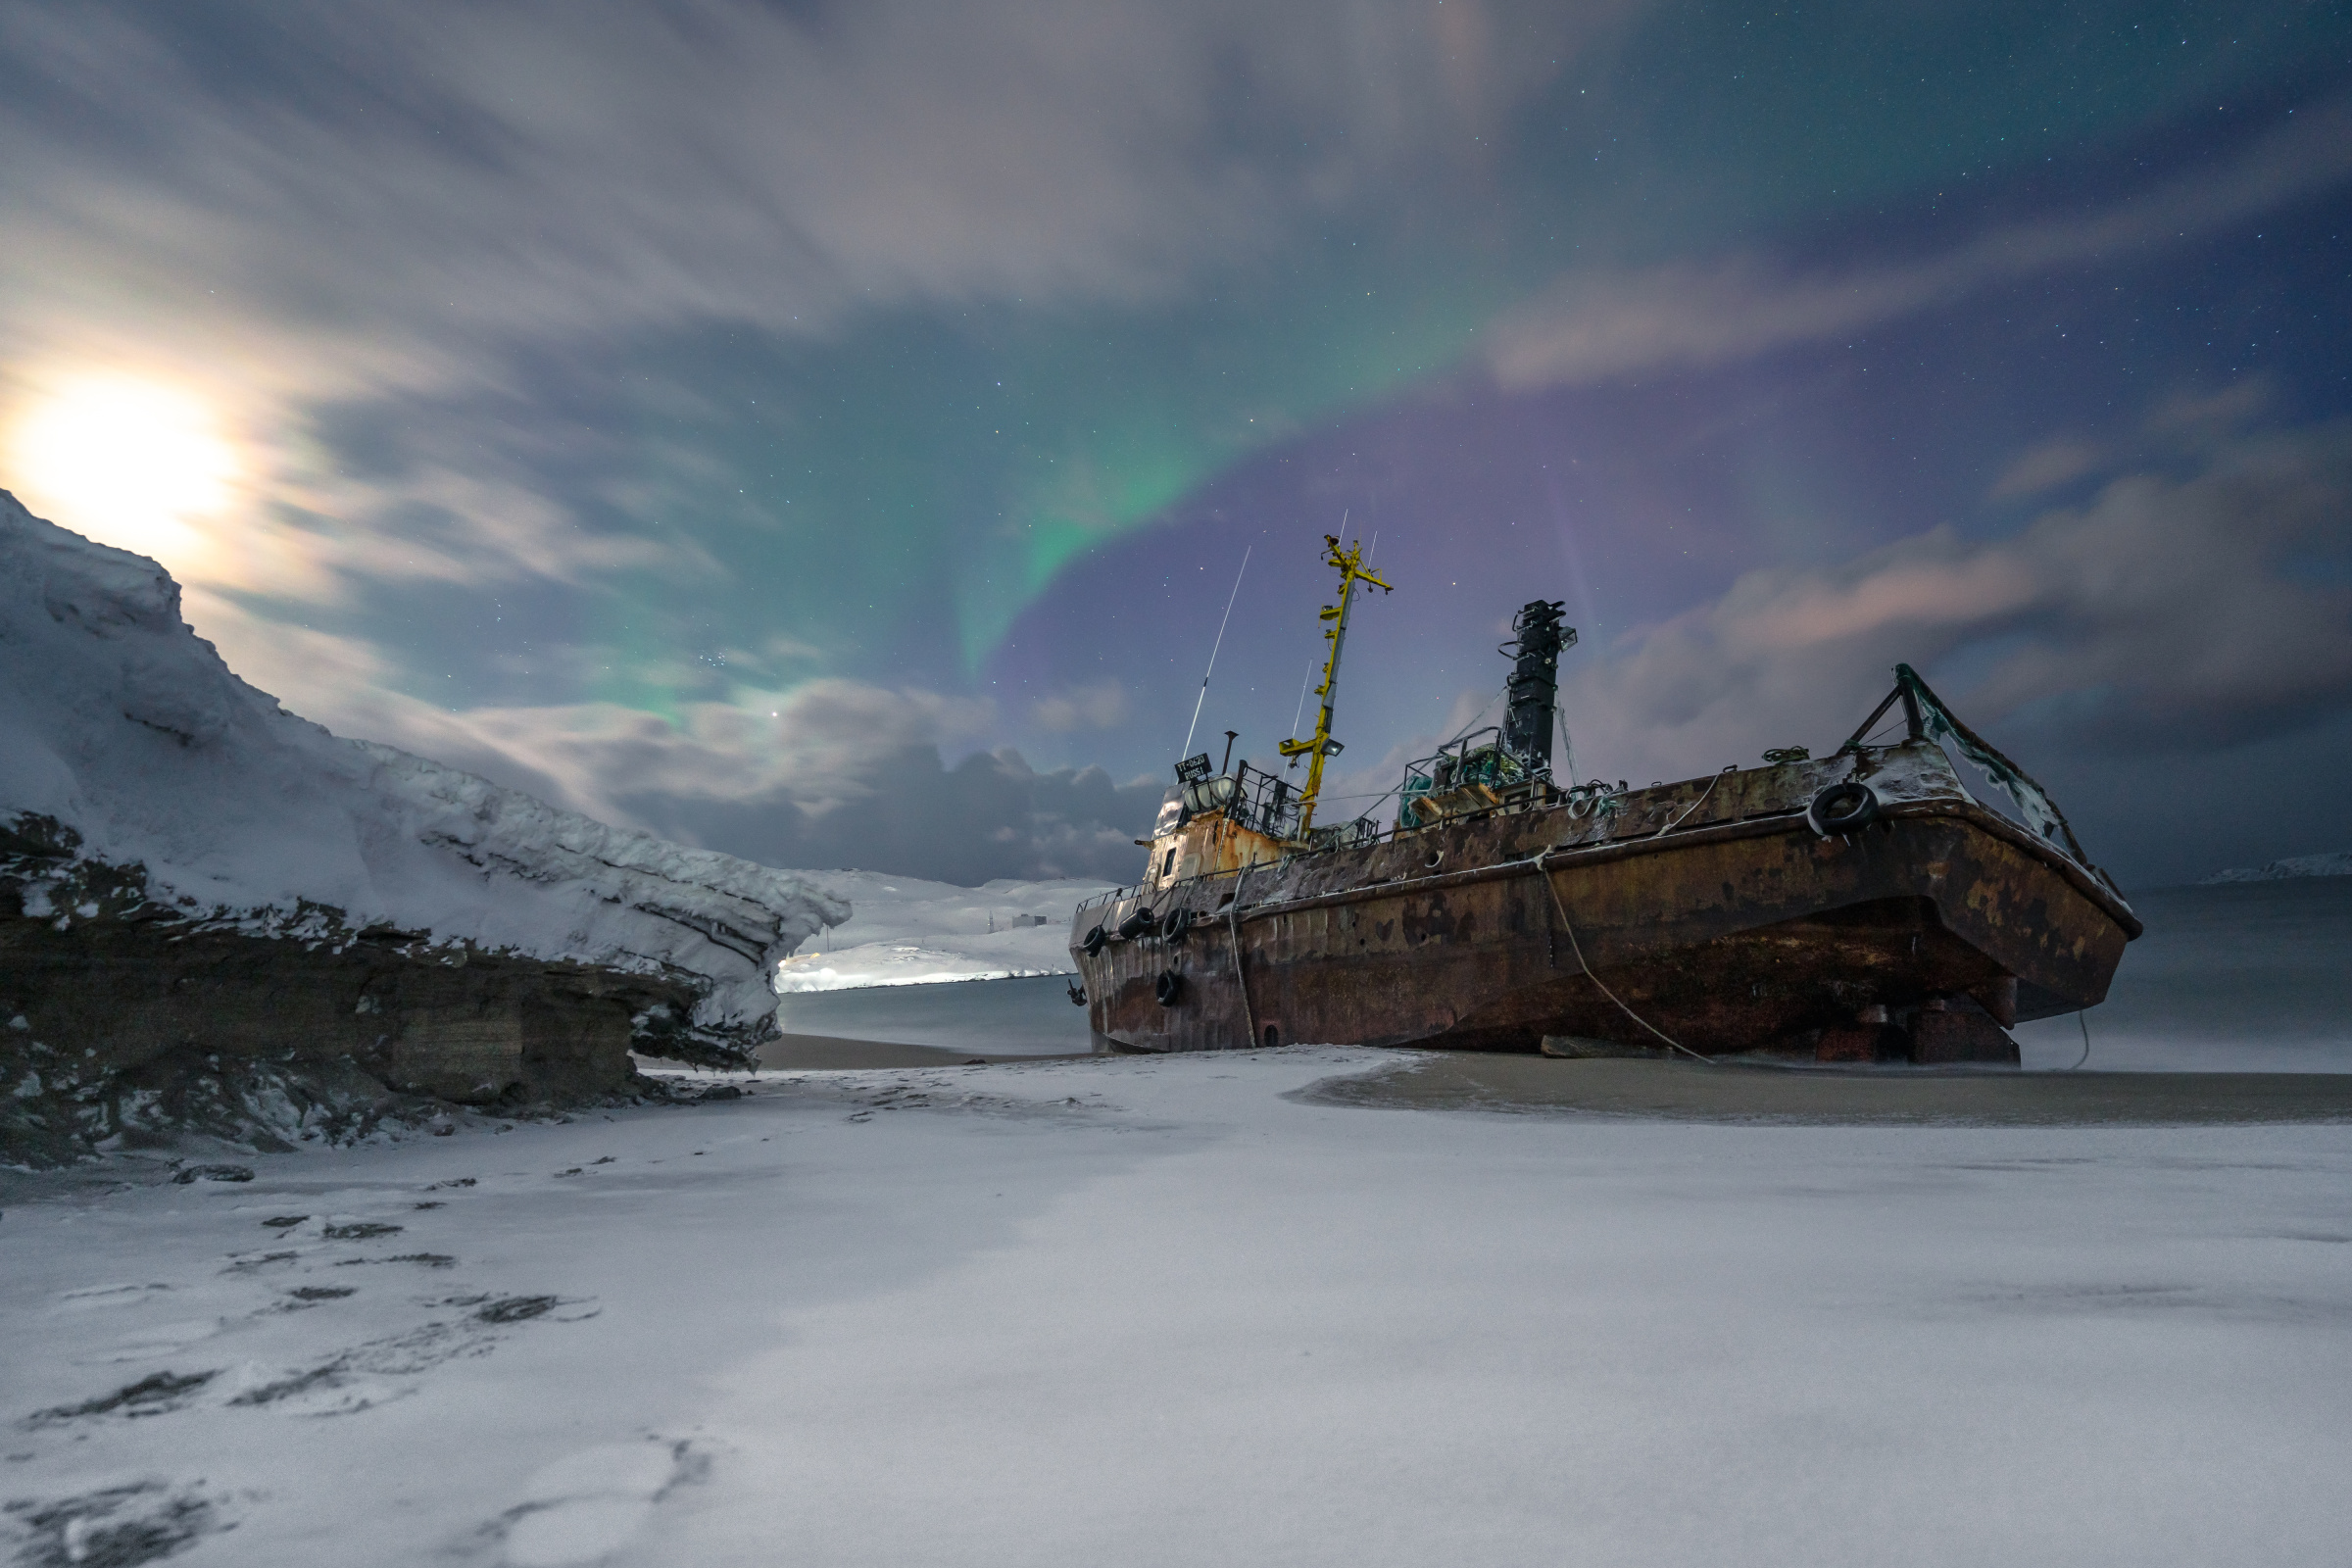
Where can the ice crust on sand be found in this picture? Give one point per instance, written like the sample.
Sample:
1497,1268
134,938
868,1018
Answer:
118,721
1155,1312
909,932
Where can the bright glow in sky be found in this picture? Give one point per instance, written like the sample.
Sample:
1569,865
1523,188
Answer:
129,462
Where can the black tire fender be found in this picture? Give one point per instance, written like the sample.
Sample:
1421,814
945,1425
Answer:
1179,921
1093,942
1168,987
1846,807
1136,924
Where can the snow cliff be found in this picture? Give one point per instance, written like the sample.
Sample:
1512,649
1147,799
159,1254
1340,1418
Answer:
120,723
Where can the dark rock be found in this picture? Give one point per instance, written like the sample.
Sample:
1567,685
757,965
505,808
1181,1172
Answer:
119,1526
518,1308
213,1173
721,1092
143,1024
150,1396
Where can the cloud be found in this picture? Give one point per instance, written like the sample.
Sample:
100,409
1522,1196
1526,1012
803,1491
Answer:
2162,614
833,774
1101,705
2193,416
2046,466
313,218
1596,326
989,815
407,180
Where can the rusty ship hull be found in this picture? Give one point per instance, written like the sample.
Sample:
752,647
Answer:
1714,915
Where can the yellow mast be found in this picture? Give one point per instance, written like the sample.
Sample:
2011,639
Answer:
1351,564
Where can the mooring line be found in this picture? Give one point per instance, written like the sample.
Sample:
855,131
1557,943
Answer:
1674,820
1577,948
1233,928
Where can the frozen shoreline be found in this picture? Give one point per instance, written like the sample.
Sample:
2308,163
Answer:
1153,1310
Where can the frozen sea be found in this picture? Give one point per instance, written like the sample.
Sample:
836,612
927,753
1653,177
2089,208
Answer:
2253,976
1121,1310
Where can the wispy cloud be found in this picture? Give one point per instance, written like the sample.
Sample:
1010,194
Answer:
2164,614
833,774
403,180
1594,328
1098,705
2048,466
284,211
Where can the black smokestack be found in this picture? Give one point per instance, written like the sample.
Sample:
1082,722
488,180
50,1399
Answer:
1535,683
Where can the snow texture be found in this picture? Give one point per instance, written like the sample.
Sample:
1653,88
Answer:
1154,1311
909,932
121,723
2336,865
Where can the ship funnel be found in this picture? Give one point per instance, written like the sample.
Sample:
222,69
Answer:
1535,683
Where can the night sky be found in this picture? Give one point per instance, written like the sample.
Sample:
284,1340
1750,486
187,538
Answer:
829,433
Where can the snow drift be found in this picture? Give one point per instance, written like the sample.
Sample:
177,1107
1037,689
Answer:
120,723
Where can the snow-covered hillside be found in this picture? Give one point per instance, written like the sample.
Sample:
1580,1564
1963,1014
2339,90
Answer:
2336,865
120,723
908,932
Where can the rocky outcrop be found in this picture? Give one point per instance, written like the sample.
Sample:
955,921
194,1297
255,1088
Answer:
125,1023
217,916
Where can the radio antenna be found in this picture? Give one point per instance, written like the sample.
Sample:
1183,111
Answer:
1212,654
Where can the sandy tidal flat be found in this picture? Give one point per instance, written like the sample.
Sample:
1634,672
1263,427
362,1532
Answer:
1171,1311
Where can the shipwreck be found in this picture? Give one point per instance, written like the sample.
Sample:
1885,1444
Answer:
1862,907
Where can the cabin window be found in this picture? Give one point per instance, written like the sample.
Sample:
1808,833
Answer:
1169,866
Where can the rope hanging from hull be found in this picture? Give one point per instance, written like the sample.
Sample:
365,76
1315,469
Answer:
1577,948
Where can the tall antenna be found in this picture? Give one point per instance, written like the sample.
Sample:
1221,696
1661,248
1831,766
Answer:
1349,563
1308,684
1212,654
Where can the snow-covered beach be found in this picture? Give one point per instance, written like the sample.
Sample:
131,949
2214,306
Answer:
1172,1311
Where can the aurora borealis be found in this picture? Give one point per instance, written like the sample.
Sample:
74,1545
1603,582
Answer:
751,420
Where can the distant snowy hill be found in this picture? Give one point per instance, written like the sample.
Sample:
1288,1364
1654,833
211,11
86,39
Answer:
908,932
118,722
2337,864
